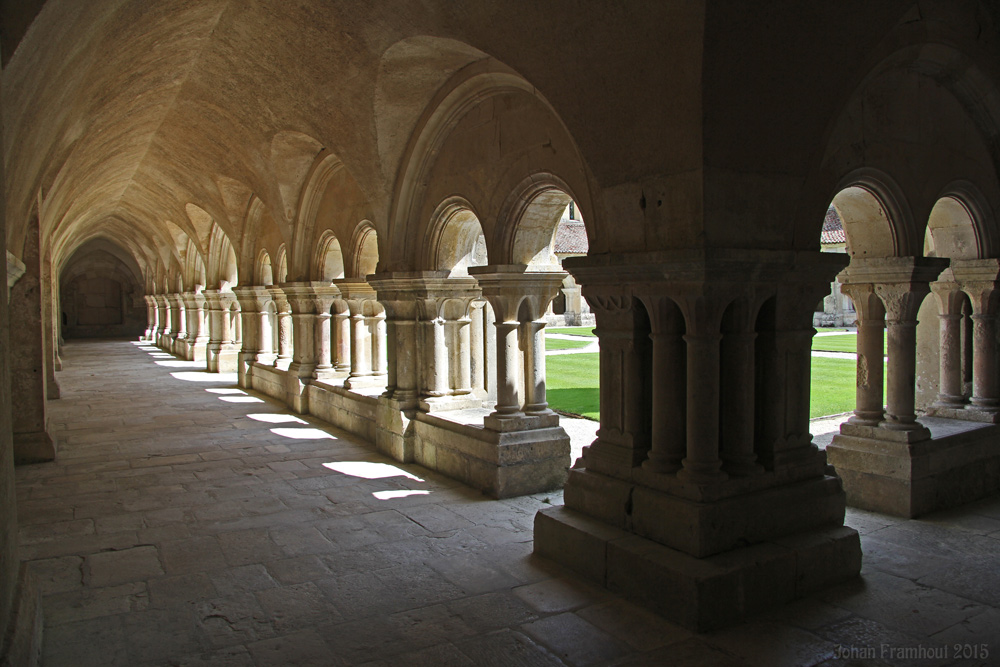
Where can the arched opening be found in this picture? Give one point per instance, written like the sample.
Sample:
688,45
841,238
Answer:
329,258
100,293
264,273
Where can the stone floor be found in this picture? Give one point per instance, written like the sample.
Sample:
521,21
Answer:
188,523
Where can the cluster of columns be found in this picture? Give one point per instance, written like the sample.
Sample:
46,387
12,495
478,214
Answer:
178,322
887,294
705,373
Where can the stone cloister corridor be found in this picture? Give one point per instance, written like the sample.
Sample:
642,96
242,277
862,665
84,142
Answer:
190,523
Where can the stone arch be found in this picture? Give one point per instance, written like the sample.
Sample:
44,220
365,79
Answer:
223,271
364,250
474,85
324,169
263,274
528,220
328,260
961,224
876,217
282,275
455,239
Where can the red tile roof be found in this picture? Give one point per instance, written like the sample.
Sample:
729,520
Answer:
571,237
833,230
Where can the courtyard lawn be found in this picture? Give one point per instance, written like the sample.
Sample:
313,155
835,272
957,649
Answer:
845,343
572,385
560,344
833,386
573,331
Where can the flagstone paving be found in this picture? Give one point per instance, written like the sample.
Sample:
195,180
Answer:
186,522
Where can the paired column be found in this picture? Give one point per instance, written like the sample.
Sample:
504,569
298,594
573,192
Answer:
151,318
178,335
425,358
197,326
519,299
360,333
980,279
283,317
163,315
950,299
253,303
895,286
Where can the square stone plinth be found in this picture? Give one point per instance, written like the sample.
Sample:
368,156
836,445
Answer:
699,593
958,464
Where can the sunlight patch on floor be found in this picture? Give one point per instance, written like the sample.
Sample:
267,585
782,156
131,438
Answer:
273,418
302,433
241,399
369,470
204,376
225,390
402,493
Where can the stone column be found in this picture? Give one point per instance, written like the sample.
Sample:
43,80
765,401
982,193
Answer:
519,298
355,322
198,330
980,279
151,325
178,336
302,300
323,334
341,332
284,317
28,377
738,395
163,308
702,463
253,303
949,298
902,301
668,440
477,370
869,406
216,333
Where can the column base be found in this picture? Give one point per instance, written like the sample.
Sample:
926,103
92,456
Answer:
23,641
394,434
500,464
908,479
698,593
882,432
364,381
198,351
34,447
966,413
297,381
519,422
446,403
707,527
222,359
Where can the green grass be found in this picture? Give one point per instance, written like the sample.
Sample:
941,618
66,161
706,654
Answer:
573,331
560,344
845,343
833,386
572,385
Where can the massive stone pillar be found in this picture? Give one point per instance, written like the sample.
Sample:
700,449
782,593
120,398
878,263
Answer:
29,378
163,315
358,336
221,353
887,465
178,321
151,324
310,304
705,503
196,325
255,340
20,602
